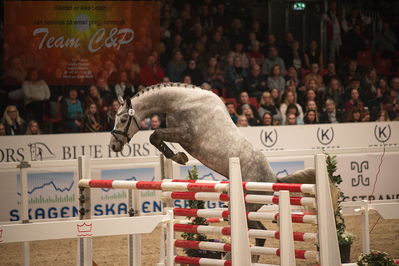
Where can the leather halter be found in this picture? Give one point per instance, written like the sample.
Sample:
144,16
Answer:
124,133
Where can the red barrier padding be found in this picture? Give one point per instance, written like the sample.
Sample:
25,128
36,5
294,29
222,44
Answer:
185,212
224,197
285,186
152,185
225,214
101,183
300,254
187,260
183,195
226,231
201,187
187,244
187,228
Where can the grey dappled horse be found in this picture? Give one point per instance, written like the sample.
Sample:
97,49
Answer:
197,119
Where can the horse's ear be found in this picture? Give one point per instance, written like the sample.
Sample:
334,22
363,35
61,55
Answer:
120,100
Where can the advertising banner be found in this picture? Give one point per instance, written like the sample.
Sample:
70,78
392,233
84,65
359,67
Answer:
75,37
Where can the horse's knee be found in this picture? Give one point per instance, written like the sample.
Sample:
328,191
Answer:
154,139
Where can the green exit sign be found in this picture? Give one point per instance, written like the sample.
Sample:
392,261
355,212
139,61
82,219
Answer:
299,6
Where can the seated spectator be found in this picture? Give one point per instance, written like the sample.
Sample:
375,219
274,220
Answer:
270,42
247,111
196,75
335,92
267,119
266,104
244,99
151,74
331,73
276,79
232,111
242,121
354,115
311,105
354,101
156,122
95,97
187,80
292,109
369,85
214,75
218,46
290,99
105,90
32,128
36,94
272,59
13,123
255,83
350,71
291,119
295,57
331,114
314,74
111,115
91,120
387,105
235,77
124,88
311,117
2,130
313,55
72,112
292,76
276,96
110,71
176,67
255,53
239,51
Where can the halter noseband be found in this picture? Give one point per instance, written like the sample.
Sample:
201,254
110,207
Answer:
124,133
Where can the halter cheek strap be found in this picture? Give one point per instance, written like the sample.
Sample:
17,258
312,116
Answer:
124,133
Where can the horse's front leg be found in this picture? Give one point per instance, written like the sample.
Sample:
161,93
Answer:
159,137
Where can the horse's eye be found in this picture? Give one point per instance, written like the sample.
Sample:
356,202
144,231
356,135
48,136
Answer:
123,120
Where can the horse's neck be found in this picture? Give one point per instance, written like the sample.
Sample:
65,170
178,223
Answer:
161,100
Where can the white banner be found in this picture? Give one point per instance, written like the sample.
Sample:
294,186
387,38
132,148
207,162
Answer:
53,192
308,137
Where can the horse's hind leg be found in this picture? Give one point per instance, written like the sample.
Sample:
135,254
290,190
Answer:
170,135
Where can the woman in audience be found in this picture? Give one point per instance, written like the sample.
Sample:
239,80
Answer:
95,97
72,112
124,88
354,115
247,111
291,119
290,99
313,55
214,74
32,128
292,108
354,101
311,117
91,119
267,119
276,96
335,91
176,67
276,79
383,116
232,111
13,123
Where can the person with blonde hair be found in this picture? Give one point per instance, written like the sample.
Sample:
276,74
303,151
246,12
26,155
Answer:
242,121
32,128
290,99
14,124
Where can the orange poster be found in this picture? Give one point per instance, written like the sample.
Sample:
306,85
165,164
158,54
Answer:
77,37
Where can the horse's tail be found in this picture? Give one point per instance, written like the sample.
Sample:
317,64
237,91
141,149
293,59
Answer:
308,176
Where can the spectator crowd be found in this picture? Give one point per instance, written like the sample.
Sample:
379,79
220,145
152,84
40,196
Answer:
223,48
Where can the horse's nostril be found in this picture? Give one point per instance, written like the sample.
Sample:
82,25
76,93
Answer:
113,146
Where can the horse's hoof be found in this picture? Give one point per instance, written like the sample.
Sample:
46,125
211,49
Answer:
180,158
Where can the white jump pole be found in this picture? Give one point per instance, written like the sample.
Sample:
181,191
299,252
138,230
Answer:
84,257
328,241
23,175
134,241
240,251
287,253
365,228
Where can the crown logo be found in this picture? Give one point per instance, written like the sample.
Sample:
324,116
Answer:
84,229
1,235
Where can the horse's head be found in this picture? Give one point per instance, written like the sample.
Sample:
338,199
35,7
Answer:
126,125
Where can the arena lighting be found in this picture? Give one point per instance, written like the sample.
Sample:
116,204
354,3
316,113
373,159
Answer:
298,6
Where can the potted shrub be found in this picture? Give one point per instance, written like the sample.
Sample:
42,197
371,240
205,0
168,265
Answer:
199,204
375,258
345,239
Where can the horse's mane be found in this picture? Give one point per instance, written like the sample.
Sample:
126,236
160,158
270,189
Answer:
160,86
